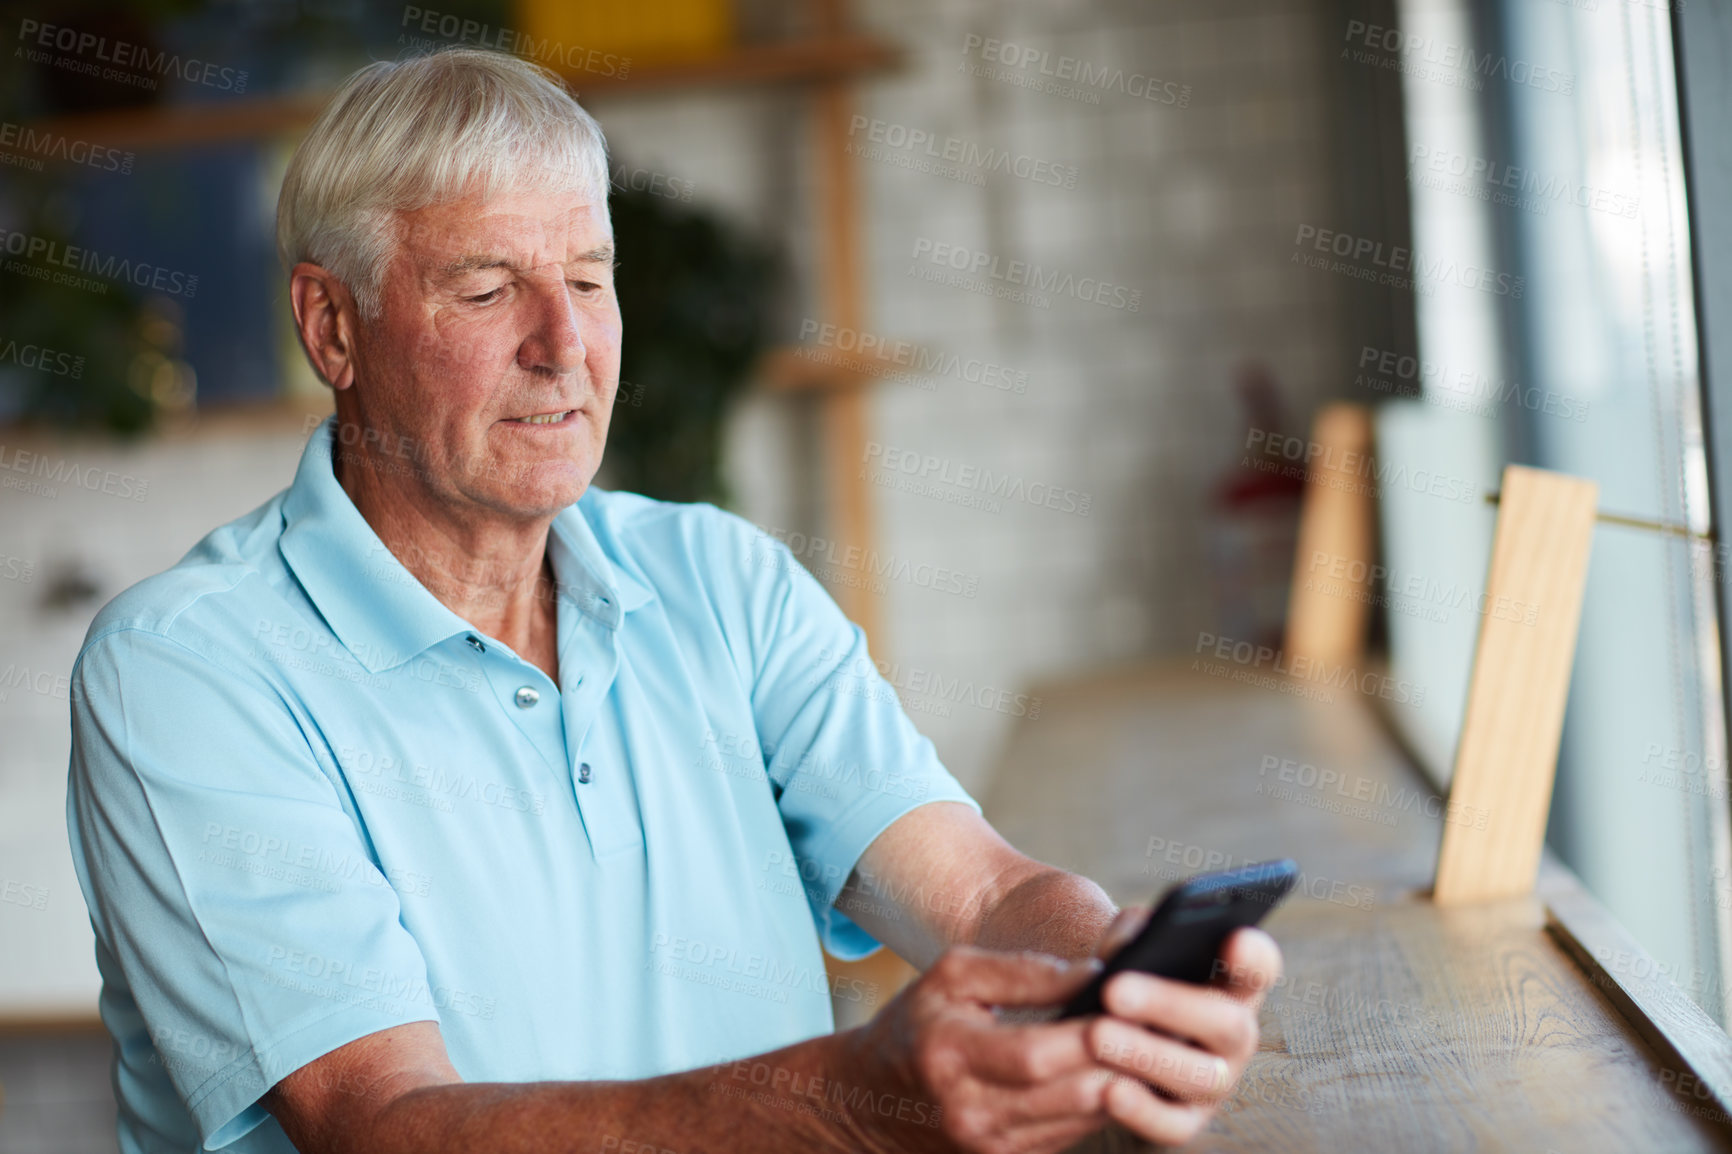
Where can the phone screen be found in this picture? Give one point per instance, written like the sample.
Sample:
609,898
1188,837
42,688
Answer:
1183,937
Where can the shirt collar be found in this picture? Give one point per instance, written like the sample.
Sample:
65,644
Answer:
376,607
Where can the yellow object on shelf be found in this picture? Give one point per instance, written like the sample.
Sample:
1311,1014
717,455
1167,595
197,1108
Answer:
640,30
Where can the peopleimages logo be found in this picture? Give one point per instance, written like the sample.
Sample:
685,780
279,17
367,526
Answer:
1022,274
132,62
20,894
1508,184
1334,573
40,143
866,565
1081,79
18,464
1396,265
759,975
1347,470
794,1087
927,469
870,353
85,260
1247,661
1171,860
1463,390
1451,63
451,27
41,358
1378,795
929,683
956,150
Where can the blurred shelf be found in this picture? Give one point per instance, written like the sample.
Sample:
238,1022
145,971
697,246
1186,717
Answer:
774,62
276,416
189,124
796,61
300,415
798,369
29,1023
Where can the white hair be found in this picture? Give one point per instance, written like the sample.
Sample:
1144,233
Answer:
431,129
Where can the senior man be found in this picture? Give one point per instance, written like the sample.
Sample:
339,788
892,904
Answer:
447,803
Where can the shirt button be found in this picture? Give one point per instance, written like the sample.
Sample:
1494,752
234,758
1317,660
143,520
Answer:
476,642
527,696
583,774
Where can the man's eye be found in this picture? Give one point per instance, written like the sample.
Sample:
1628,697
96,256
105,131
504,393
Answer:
485,297
583,286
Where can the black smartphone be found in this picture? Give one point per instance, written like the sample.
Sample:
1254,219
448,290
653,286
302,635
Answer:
1183,937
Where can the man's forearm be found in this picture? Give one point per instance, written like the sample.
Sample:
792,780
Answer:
1054,912
812,1096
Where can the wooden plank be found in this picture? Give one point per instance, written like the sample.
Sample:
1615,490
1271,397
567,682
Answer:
296,414
801,369
817,369
1508,753
1400,1025
191,125
1416,1028
1329,604
28,1026
832,57
261,118
845,416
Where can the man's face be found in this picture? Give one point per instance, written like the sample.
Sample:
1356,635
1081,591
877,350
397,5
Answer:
495,311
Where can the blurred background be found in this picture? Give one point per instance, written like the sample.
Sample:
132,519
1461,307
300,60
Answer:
1012,319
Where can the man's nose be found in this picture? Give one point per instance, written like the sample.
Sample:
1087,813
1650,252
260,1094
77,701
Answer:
555,339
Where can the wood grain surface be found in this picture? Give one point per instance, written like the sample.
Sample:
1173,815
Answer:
1329,599
1508,755
1400,1025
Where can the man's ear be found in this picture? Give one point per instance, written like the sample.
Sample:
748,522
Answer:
326,320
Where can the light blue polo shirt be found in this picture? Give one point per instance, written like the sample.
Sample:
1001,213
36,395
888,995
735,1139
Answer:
308,802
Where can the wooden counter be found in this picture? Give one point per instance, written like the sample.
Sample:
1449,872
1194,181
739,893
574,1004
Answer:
1399,1026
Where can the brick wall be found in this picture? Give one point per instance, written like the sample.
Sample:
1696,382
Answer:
1189,201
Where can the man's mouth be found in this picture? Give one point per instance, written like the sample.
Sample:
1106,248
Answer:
544,418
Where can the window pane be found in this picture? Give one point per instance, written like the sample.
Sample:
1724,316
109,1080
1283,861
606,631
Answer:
1544,152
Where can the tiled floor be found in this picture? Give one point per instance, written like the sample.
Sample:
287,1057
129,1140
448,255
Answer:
57,1094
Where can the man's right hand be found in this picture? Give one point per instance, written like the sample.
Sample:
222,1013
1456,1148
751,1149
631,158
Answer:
1039,1087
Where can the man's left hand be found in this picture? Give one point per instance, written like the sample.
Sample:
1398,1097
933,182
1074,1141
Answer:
1189,1043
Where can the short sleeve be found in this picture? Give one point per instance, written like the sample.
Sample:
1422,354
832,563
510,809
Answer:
225,878
844,757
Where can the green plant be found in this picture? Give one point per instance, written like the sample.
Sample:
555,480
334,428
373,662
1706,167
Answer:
105,330
695,292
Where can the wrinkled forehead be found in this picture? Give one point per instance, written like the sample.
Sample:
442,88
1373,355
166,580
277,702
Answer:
524,228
